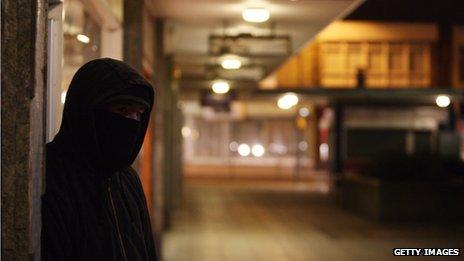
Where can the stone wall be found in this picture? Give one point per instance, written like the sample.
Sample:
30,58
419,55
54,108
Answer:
22,110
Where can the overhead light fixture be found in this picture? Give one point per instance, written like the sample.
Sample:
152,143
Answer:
256,15
231,63
83,38
443,101
220,87
287,101
244,150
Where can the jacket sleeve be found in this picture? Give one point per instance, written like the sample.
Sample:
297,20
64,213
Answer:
56,241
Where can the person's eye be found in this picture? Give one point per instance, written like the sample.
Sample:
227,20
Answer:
123,110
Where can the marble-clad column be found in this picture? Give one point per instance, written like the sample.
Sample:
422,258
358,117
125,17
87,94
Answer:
23,71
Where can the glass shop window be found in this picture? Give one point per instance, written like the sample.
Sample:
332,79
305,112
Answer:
81,39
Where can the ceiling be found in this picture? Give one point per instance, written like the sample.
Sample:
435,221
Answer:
194,27
219,10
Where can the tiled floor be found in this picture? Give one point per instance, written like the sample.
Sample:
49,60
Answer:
285,221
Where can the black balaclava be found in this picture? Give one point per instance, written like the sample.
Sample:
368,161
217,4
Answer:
116,134
102,141
116,137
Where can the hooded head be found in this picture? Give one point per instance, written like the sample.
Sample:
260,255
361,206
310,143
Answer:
104,140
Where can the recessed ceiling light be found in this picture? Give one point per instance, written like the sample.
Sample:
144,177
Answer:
256,15
220,87
231,63
83,38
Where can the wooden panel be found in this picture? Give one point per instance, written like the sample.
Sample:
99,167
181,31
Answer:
336,64
287,75
358,31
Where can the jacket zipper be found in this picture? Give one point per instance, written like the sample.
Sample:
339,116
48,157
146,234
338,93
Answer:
116,219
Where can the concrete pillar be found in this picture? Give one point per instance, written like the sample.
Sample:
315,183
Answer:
158,141
133,36
314,135
336,156
133,41
23,125
168,137
176,142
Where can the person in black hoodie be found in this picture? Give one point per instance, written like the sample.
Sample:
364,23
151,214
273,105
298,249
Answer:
94,207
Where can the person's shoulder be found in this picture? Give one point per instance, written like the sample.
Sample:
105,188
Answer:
132,176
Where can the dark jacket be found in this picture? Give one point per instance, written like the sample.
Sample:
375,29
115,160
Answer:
90,211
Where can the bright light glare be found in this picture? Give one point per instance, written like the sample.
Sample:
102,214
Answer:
287,101
443,101
186,132
257,150
63,97
244,150
304,112
324,151
221,87
256,15
231,64
83,38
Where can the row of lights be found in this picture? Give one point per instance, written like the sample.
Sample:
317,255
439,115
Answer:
289,100
256,150
252,15
244,149
233,62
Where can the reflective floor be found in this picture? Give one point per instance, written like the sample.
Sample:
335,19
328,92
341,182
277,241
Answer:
265,220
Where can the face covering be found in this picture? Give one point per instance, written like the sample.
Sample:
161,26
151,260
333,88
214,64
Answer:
116,137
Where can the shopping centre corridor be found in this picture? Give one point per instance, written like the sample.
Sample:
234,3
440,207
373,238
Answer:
268,220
